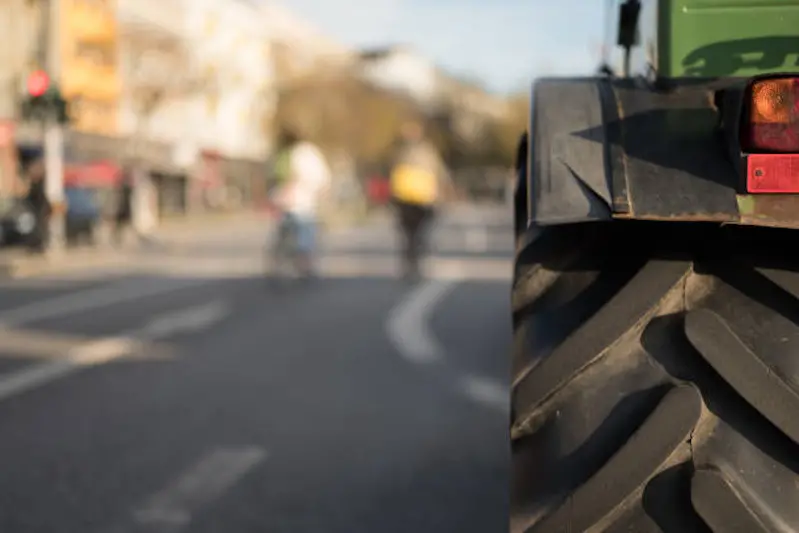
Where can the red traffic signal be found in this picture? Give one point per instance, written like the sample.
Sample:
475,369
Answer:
38,83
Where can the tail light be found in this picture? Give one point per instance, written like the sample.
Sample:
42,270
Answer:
770,134
773,124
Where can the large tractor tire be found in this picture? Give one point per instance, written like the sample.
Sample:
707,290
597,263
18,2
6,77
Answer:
656,380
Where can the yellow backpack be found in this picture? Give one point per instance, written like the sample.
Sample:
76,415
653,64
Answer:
414,185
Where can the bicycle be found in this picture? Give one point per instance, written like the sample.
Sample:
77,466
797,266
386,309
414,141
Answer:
281,253
284,257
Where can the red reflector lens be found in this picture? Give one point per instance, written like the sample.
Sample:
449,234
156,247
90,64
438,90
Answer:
772,173
774,116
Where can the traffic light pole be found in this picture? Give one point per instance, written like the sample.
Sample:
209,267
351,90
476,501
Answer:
53,133
54,168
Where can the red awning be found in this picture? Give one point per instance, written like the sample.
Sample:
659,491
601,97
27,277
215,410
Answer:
95,174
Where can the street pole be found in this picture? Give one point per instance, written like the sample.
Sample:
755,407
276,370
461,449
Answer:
53,131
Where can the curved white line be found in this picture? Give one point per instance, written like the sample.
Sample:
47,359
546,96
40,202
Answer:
407,325
408,330
487,392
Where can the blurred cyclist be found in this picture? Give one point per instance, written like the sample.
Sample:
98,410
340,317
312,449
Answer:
417,180
303,178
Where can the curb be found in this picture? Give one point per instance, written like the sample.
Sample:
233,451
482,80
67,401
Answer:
21,267
200,221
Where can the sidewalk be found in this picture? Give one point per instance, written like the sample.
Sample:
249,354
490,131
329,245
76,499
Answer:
18,263
169,236
208,220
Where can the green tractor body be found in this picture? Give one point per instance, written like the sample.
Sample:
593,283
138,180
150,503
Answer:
655,368
716,38
646,145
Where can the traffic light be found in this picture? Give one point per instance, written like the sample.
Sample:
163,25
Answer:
38,83
60,107
44,100
34,108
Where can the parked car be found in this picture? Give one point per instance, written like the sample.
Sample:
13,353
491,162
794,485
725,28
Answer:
83,215
17,221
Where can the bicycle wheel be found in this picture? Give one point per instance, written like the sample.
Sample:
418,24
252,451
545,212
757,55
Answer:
281,255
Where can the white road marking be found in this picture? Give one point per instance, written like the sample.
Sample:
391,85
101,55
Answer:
191,319
407,325
408,331
89,354
91,299
487,392
105,350
31,378
102,351
171,508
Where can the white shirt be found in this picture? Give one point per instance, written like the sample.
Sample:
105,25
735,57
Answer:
309,178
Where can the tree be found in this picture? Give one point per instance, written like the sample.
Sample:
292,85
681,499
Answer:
339,111
505,133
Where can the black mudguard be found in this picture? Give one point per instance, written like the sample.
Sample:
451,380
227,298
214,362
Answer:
673,160
568,178
602,148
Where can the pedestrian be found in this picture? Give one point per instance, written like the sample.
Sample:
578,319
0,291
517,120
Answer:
282,165
124,209
39,205
417,180
304,178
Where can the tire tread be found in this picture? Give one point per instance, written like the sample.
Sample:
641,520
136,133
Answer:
711,331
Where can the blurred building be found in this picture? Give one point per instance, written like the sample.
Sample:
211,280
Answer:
19,24
86,68
227,127
233,49
76,42
198,80
159,74
157,69
188,88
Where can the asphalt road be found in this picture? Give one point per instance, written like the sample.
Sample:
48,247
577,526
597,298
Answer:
180,393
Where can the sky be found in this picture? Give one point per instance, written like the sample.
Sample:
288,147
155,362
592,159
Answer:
504,43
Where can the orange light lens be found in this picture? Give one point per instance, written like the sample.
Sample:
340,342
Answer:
773,101
773,124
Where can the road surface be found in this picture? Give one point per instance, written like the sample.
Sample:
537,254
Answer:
179,393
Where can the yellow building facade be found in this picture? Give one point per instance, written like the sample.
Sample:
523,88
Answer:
89,74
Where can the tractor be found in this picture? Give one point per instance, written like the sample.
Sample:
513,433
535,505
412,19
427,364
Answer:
655,300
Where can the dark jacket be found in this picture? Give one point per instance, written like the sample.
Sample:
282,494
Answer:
124,207
37,199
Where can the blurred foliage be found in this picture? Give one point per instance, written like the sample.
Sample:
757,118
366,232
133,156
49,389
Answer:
505,134
495,142
339,111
